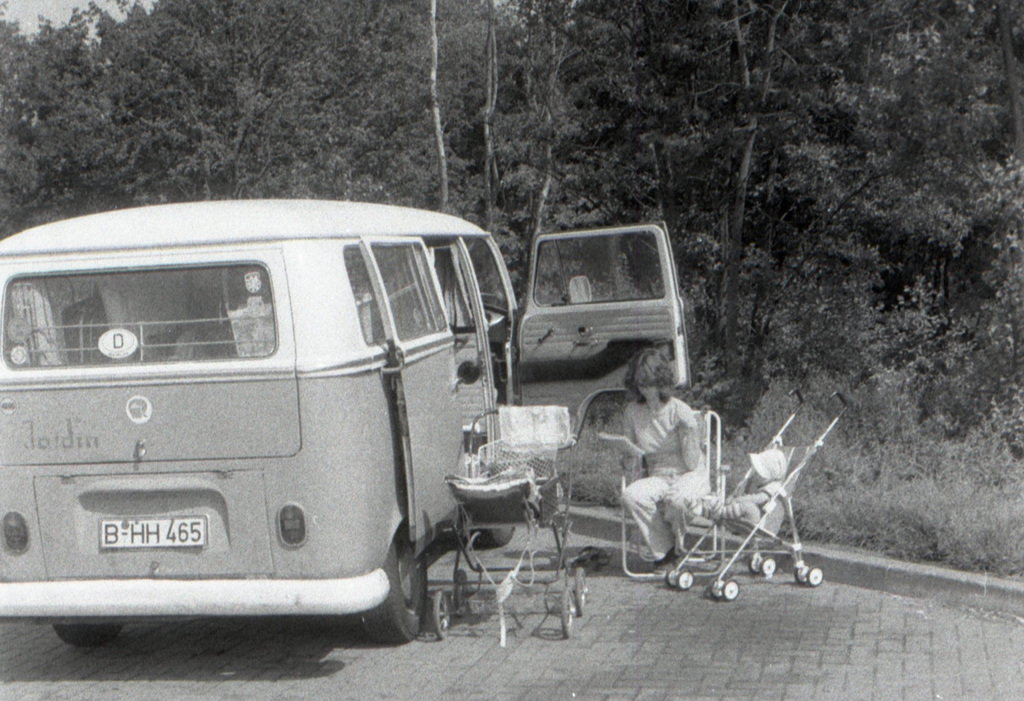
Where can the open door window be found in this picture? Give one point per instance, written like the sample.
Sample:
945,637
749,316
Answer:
622,266
499,304
595,298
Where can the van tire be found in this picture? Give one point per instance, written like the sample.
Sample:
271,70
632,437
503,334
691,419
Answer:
86,634
397,620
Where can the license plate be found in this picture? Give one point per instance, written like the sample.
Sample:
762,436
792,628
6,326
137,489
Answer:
180,532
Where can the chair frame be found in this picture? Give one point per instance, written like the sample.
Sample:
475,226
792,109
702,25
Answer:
717,472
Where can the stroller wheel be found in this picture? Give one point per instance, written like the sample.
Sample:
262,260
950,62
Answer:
579,590
685,580
567,613
716,589
768,567
442,614
815,577
800,573
731,590
672,578
756,562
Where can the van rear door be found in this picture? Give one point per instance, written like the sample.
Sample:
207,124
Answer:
120,364
594,299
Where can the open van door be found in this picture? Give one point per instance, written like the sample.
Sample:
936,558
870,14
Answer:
419,377
594,299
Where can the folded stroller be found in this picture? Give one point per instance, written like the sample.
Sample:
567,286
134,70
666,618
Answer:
755,519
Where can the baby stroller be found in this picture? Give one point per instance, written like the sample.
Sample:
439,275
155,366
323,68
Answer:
779,467
516,480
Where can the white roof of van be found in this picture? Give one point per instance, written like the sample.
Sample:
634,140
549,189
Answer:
231,221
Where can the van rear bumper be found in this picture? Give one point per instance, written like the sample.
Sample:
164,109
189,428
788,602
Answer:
129,598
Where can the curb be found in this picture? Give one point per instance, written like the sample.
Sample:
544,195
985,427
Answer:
865,570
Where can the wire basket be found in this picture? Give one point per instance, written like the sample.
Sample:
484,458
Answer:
498,457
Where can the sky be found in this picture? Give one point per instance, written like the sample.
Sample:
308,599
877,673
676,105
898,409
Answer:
26,12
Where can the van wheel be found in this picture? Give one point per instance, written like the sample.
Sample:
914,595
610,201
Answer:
86,634
397,620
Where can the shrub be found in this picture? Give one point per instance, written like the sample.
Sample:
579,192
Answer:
889,482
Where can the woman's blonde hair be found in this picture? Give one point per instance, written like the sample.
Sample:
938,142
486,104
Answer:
649,368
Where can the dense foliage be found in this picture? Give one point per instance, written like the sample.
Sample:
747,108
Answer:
842,181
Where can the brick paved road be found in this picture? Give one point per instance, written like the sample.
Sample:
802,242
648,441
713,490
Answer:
636,640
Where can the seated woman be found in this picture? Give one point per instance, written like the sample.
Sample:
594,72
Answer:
665,432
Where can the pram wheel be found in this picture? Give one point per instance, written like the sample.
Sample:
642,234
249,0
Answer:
442,615
672,578
768,567
681,580
756,560
579,590
567,612
815,577
800,573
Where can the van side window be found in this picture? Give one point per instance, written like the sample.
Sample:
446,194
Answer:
411,295
488,276
456,300
156,315
617,267
362,291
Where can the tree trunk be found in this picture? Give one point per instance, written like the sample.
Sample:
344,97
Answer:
490,102
442,160
665,178
732,251
732,231
1013,88
732,248
547,111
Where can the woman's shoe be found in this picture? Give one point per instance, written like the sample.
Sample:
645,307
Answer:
666,563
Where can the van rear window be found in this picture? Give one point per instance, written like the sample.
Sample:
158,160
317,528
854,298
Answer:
614,267
159,315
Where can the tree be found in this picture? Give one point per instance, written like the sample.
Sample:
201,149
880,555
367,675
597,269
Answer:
1012,86
435,110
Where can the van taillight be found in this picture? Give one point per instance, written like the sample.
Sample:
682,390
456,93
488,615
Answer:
291,523
15,532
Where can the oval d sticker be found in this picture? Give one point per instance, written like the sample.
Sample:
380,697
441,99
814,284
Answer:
117,343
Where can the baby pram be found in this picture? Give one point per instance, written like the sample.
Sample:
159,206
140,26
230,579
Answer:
765,530
511,481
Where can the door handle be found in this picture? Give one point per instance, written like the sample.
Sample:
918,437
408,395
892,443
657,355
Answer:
395,359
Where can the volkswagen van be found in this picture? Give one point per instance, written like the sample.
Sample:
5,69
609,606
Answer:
239,408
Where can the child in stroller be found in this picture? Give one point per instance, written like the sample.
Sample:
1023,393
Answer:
747,505
768,474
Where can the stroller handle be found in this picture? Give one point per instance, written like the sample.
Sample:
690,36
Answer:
800,402
842,400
